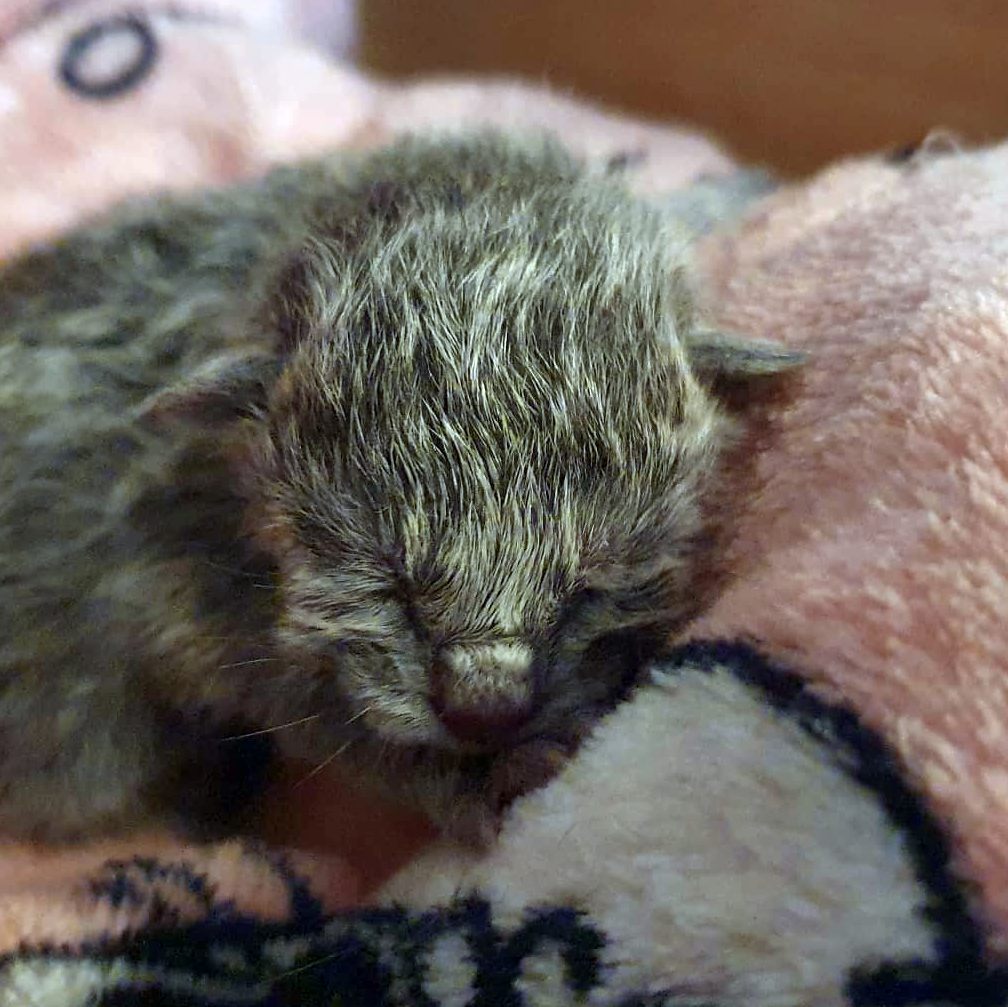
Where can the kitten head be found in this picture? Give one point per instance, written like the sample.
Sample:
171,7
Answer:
480,449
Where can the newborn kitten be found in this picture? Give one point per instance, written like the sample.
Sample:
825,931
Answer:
404,455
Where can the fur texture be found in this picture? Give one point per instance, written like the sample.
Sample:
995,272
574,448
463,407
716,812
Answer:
880,525
396,451
768,852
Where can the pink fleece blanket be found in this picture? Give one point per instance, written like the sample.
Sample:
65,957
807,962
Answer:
876,545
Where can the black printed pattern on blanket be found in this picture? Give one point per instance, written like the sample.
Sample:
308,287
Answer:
378,958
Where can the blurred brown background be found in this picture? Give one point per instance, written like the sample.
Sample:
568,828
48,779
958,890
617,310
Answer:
787,83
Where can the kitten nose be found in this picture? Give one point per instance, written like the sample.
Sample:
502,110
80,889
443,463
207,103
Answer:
486,726
481,697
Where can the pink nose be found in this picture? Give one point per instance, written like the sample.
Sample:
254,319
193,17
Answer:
487,721
486,726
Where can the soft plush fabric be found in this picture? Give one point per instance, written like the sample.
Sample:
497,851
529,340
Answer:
201,93
726,838
876,546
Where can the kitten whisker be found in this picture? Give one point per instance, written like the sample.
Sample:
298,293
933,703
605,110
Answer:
323,764
270,730
357,716
246,575
245,664
308,965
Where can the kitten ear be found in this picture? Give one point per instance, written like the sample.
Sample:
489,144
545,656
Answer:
724,356
224,389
